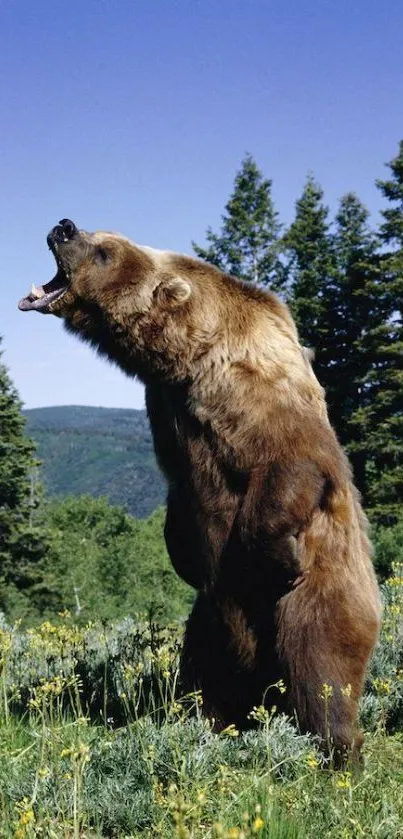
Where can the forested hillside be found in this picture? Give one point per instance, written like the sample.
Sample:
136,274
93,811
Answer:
98,451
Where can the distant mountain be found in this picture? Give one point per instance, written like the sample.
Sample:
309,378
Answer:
98,451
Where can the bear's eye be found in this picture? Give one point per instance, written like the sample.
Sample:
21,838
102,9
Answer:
102,256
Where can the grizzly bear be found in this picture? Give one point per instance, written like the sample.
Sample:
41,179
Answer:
262,517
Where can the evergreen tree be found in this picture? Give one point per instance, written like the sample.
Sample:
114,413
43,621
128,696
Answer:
23,543
341,299
391,232
383,416
310,264
354,310
248,243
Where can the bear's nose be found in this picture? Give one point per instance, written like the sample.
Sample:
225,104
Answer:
69,228
62,232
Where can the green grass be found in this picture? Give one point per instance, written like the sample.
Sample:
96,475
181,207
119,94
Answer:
94,742
180,780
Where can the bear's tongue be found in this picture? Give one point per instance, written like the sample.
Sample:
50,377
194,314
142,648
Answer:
39,298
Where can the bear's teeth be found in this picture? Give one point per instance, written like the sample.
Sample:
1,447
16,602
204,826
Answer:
37,292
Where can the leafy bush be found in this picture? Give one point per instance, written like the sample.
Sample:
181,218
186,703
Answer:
103,565
383,699
111,673
388,544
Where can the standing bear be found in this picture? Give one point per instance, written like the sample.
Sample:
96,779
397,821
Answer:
262,516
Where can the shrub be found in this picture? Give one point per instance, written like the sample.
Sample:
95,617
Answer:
388,544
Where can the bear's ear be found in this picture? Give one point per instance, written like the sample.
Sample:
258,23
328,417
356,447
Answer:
173,291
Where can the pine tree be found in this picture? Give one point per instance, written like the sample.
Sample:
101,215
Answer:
23,543
384,413
391,232
310,264
354,311
248,243
341,299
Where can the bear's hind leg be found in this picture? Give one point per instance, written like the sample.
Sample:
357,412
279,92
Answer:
325,660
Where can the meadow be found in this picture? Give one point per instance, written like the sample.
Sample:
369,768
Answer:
95,741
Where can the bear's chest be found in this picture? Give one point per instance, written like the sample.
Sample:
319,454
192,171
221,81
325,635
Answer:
188,454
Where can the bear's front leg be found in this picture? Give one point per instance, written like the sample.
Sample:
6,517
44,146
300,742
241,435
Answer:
183,545
196,531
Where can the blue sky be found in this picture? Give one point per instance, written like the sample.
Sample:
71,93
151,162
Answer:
134,116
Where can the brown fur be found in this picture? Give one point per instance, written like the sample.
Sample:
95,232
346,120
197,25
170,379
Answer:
262,518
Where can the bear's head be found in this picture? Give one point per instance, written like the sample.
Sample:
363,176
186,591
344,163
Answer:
139,306
166,316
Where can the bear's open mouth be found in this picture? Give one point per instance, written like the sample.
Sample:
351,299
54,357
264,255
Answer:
40,298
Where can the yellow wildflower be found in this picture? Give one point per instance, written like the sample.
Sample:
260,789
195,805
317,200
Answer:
230,731
311,760
260,714
327,691
27,818
382,686
344,780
